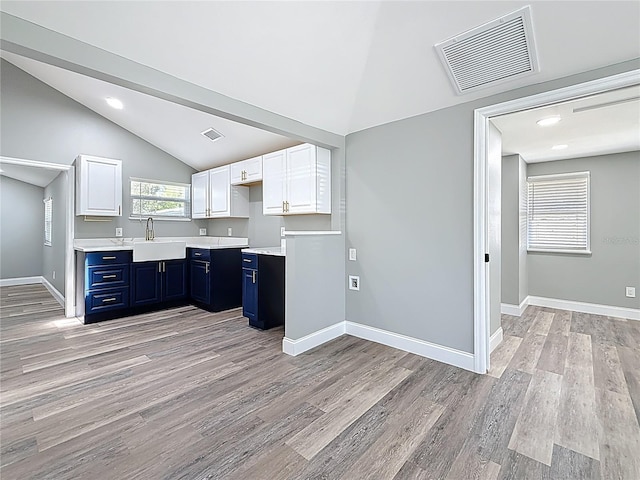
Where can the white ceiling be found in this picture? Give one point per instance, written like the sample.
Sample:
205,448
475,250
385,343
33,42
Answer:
171,127
339,66
595,125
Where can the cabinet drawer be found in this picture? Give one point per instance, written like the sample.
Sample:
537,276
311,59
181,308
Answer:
108,258
199,253
249,260
107,276
110,299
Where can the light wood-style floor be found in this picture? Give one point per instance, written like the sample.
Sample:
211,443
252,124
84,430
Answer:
186,394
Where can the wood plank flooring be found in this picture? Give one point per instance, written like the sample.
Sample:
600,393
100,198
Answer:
187,394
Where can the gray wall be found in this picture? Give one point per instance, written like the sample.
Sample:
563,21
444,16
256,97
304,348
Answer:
514,224
615,236
21,229
40,123
409,194
264,231
53,259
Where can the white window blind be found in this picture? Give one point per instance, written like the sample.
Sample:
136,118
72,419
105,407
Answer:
160,200
558,213
48,220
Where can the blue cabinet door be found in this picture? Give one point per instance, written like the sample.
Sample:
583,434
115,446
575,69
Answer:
174,286
146,284
250,294
200,281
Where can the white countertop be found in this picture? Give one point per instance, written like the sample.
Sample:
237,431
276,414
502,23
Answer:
278,251
114,244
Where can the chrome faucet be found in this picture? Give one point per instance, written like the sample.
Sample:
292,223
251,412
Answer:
149,234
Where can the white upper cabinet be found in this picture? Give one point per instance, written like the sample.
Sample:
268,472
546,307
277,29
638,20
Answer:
98,186
200,195
297,181
246,171
213,196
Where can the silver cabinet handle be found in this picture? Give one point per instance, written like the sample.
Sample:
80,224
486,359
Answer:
246,260
108,258
197,254
108,276
105,300
253,276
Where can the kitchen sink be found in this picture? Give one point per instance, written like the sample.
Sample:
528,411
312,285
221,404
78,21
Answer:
151,250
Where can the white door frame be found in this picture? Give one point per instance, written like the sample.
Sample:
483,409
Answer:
481,284
69,257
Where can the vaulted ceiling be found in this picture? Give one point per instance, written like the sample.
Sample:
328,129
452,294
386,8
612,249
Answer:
339,66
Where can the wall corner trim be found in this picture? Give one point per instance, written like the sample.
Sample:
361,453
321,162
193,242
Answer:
10,282
430,350
514,310
496,339
593,308
301,345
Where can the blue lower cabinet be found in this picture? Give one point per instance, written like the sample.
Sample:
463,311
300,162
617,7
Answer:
215,278
250,293
105,285
263,301
146,286
155,283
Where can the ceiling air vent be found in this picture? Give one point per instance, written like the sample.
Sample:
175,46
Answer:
493,53
212,134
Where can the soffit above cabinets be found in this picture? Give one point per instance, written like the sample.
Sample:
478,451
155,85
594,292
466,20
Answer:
594,125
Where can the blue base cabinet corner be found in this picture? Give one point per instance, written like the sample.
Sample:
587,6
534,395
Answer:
263,290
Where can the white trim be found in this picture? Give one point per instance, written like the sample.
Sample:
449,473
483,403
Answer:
583,307
440,353
496,339
515,310
53,291
10,282
296,347
480,189
310,232
35,163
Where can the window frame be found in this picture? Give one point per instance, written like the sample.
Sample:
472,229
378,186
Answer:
48,222
586,175
187,201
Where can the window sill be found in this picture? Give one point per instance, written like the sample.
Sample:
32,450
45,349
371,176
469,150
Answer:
161,219
564,252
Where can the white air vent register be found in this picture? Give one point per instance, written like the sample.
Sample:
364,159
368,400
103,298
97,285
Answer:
493,53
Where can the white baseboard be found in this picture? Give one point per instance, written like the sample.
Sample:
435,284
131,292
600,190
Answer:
9,282
296,347
495,339
440,353
515,310
594,308
56,294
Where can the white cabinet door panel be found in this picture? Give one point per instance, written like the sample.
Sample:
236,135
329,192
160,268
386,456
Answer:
301,179
199,195
273,182
219,191
99,182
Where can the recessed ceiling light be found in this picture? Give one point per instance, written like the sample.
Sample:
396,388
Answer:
547,122
559,147
114,103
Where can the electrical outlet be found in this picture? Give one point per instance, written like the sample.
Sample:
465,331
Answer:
352,254
281,231
630,292
54,274
354,282
229,232
118,232
203,231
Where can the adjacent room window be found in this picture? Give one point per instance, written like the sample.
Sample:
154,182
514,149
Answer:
160,200
558,213
48,220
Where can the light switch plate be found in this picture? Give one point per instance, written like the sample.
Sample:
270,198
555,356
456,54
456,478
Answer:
203,231
281,231
229,231
352,254
630,292
118,232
